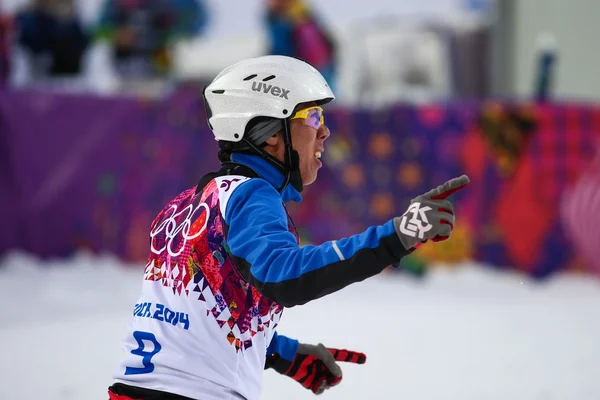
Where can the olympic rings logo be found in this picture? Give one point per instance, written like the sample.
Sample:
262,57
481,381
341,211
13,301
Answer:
173,226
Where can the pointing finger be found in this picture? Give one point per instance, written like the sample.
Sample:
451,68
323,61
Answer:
450,187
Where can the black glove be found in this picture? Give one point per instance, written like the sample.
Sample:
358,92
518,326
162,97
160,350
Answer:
430,215
315,367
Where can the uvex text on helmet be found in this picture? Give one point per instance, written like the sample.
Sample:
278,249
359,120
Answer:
268,86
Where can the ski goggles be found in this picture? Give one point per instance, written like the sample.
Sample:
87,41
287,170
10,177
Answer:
313,116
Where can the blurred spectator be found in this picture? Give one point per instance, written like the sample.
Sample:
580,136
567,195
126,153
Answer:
6,26
141,33
51,41
295,31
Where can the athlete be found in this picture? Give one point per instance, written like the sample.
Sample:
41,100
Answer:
224,257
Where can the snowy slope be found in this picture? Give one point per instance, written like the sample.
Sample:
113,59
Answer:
463,333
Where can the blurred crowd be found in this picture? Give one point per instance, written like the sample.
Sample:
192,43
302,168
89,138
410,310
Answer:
130,44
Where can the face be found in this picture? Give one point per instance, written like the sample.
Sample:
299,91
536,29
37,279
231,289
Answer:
310,144
308,139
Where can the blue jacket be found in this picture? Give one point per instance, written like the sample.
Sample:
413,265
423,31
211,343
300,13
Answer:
270,259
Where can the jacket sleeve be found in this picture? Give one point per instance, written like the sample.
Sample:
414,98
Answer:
284,346
269,258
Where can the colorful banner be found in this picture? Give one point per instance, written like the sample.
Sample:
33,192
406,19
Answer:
92,172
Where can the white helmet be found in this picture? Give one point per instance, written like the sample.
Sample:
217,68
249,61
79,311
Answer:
269,86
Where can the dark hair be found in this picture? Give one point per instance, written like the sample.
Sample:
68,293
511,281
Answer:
224,154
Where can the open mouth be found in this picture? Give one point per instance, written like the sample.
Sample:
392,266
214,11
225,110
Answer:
317,154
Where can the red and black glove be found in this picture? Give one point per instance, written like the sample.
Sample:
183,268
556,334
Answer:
315,367
429,216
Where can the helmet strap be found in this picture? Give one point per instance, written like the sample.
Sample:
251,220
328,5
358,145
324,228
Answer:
291,160
261,152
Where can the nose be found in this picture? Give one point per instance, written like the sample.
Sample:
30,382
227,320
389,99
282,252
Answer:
323,132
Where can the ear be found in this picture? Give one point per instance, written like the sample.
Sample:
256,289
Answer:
273,140
274,146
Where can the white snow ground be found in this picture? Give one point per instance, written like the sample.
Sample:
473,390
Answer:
466,333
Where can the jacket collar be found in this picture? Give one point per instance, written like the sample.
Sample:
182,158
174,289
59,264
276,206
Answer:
269,173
